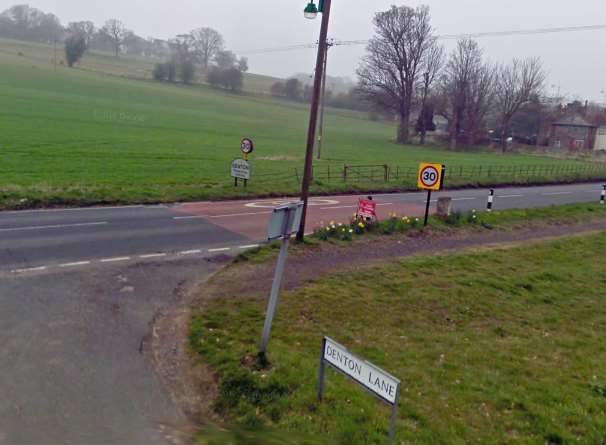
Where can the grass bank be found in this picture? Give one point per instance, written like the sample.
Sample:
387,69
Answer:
497,346
95,135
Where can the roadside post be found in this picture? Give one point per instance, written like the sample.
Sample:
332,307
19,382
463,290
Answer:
285,222
240,168
603,198
373,379
490,201
431,178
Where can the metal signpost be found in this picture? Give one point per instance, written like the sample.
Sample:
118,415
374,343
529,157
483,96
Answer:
373,379
284,222
431,177
240,168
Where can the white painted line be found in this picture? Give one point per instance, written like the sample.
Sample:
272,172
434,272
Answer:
223,249
339,207
80,209
508,196
29,269
58,226
178,218
240,214
78,263
251,246
557,193
190,252
116,260
464,199
152,255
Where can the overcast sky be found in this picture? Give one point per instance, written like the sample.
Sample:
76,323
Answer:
576,62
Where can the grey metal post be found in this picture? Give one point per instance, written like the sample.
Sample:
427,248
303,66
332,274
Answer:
275,288
394,418
322,371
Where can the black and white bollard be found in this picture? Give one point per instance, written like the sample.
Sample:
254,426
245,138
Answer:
490,201
603,198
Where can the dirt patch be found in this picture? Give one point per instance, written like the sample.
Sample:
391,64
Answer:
248,280
192,384
278,158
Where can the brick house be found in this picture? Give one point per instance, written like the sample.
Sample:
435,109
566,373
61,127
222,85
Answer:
575,133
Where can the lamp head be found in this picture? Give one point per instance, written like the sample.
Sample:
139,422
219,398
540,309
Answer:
311,11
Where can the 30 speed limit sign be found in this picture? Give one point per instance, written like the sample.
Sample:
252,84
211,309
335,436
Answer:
431,176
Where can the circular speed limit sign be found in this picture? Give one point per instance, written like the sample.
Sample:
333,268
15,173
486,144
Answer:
430,176
247,146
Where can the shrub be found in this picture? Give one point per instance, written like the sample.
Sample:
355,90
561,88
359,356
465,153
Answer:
75,47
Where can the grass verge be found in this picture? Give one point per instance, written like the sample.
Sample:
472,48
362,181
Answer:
500,346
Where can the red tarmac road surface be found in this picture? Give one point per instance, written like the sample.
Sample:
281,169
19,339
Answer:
250,218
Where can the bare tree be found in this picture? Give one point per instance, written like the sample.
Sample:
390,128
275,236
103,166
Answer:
516,84
84,29
115,31
480,99
207,44
390,72
463,65
433,63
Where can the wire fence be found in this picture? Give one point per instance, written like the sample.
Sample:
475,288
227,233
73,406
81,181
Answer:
456,175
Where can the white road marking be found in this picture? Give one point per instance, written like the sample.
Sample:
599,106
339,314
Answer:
355,206
58,226
557,193
508,196
251,246
29,269
222,249
152,255
240,214
81,209
76,264
115,260
339,207
279,202
187,217
464,199
190,252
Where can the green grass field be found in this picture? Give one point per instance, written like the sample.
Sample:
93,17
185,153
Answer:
492,347
95,135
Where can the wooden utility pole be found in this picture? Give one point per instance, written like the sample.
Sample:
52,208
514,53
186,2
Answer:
323,102
313,116
423,110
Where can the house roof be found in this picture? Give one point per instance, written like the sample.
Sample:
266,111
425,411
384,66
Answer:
574,121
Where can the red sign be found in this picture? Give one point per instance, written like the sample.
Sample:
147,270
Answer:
367,209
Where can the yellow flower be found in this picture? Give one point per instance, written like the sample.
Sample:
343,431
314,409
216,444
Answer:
361,225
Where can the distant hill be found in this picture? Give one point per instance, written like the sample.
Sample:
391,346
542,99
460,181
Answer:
134,67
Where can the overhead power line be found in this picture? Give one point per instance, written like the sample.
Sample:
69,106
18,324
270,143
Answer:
478,35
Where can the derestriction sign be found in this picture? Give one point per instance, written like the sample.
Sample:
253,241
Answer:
374,379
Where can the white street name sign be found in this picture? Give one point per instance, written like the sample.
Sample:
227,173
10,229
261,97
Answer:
366,374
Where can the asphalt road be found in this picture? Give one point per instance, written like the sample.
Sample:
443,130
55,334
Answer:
80,287
73,238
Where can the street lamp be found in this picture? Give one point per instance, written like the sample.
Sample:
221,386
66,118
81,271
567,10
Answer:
311,12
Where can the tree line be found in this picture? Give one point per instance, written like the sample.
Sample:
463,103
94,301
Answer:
180,58
405,68
298,91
